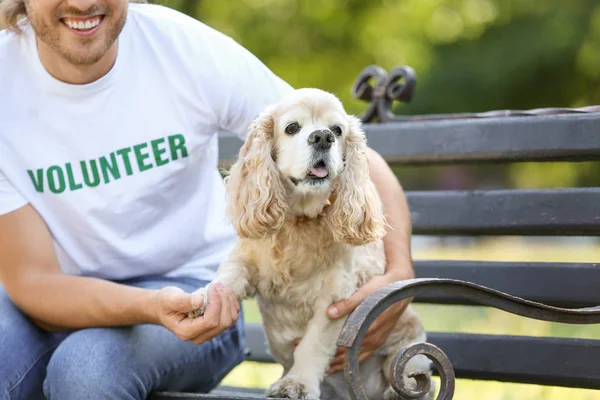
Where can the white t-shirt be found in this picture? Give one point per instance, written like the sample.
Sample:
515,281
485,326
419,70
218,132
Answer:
124,170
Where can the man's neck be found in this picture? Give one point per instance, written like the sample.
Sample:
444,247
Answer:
66,72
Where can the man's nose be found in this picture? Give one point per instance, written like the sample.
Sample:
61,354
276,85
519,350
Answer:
321,140
82,5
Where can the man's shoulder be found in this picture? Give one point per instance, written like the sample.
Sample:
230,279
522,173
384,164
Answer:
173,24
157,13
185,41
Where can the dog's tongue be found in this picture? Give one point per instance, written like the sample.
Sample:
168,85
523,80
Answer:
320,172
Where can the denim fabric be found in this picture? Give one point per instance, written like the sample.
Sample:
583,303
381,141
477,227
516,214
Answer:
110,363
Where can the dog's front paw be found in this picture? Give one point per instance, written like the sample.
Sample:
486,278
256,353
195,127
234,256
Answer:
197,313
290,388
200,311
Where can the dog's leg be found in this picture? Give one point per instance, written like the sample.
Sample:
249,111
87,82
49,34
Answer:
231,273
408,330
311,358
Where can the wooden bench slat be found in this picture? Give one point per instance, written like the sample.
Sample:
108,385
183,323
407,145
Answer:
256,343
536,138
537,360
220,393
565,285
239,391
521,359
563,212
212,396
510,139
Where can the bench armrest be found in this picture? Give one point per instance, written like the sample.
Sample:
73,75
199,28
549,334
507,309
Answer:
362,317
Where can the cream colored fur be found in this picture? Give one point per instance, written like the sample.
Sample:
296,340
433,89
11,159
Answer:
305,245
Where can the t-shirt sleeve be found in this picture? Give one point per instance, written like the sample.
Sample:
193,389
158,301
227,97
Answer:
249,87
10,198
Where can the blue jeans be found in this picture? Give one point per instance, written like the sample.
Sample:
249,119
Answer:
110,363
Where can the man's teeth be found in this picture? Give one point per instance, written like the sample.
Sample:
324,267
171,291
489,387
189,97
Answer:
89,24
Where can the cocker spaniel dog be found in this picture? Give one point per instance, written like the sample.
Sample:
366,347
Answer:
310,227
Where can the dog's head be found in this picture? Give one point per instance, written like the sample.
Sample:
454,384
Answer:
305,156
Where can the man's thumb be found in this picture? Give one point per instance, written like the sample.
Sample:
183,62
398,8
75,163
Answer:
341,308
197,300
182,302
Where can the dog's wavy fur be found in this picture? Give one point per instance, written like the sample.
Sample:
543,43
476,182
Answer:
303,246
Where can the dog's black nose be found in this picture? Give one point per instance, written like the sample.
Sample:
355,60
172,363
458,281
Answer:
321,140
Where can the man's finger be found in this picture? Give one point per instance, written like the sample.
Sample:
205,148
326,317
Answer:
339,356
226,318
346,306
226,307
235,306
212,315
179,301
204,328
363,356
198,299
338,361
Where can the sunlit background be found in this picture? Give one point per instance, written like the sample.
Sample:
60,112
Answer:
469,56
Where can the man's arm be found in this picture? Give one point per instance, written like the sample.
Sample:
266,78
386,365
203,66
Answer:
397,245
30,274
397,242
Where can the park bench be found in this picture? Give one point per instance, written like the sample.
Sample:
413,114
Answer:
560,292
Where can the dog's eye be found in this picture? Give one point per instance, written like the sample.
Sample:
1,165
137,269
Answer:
336,129
292,128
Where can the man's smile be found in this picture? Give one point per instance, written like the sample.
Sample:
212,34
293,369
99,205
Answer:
83,26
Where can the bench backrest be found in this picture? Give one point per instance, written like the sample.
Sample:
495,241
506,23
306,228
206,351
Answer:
559,212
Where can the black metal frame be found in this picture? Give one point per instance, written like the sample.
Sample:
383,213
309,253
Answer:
360,320
381,97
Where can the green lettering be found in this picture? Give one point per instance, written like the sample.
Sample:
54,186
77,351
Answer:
39,182
124,153
113,167
141,157
157,152
86,176
72,184
60,177
177,142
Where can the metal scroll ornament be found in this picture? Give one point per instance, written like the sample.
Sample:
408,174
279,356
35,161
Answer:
387,89
399,85
362,317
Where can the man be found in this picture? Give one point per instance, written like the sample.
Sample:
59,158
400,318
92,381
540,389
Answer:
111,205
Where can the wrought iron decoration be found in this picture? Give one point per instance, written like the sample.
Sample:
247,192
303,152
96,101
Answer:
360,320
388,89
380,97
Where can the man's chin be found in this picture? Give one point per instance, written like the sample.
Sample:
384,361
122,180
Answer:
82,55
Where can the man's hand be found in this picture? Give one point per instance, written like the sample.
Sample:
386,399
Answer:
172,304
381,327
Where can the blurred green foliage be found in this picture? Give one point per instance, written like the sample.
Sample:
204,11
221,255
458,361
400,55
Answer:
469,55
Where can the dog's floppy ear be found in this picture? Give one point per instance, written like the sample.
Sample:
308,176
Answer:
356,215
255,193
